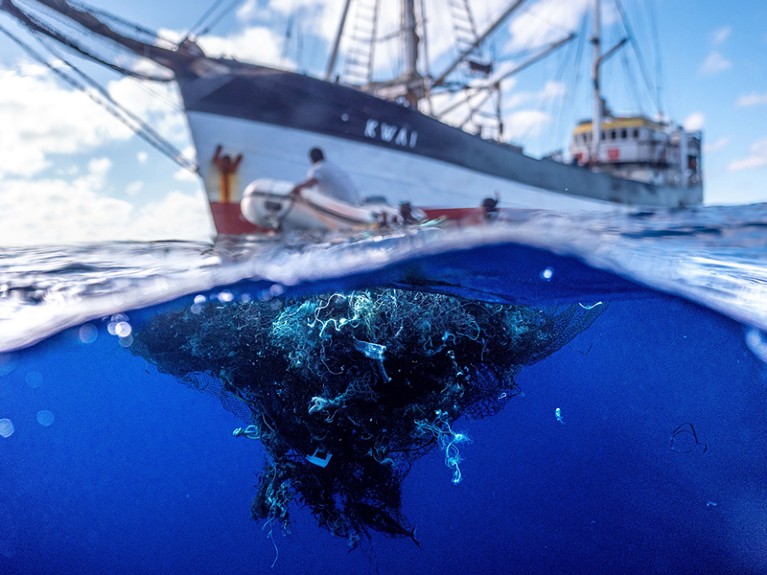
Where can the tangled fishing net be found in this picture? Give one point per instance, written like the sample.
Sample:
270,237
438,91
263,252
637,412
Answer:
346,391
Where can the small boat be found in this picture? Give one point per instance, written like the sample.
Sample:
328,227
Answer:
270,205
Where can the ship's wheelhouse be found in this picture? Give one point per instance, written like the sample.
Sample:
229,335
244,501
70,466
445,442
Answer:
640,149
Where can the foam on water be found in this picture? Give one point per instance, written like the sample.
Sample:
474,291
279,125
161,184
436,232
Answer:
714,256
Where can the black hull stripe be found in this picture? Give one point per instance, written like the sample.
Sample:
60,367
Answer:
265,95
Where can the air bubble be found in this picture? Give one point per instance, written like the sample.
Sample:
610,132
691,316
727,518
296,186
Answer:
117,320
88,333
34,379
123,329
7,363
6,428
225,297
45,417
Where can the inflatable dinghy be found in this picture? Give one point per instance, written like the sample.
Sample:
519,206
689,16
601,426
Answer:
269,204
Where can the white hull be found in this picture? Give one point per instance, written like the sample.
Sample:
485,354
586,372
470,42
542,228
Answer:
281,153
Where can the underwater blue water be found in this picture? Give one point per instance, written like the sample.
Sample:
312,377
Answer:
658,465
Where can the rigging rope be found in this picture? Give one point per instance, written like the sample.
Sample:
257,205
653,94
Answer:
658,60
218,19
632,40
557,129
202,18
136,124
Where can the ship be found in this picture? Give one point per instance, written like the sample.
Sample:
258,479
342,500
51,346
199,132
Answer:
251,122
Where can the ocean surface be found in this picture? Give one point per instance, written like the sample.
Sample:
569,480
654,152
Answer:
632,439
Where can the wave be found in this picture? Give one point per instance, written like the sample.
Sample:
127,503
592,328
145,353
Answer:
714,256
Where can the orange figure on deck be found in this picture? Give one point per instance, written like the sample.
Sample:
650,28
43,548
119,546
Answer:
226,170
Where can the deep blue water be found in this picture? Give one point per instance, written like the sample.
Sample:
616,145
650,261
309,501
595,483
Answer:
140,474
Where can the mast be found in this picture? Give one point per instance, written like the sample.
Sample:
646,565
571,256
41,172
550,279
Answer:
596,120
411,77
337,42
482,37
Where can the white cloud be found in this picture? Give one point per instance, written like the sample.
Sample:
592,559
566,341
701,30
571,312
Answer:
551,91
190,152
142,157
545,21
255,44
39,119
525,124
694,121
98,168
263,38
757,158
714,64
720,35
183,175
58,210
716,145
253,10
753,99
249,10
69,211
158,105
176,216
322,17
134,188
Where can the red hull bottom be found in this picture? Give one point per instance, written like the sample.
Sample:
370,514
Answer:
229,220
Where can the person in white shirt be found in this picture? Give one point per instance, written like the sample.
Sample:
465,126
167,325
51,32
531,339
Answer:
329,180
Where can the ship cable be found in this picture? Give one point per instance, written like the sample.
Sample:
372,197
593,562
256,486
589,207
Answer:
201,20
637,51
38,25
103,99
214,22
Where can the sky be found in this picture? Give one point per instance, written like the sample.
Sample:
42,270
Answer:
71,172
